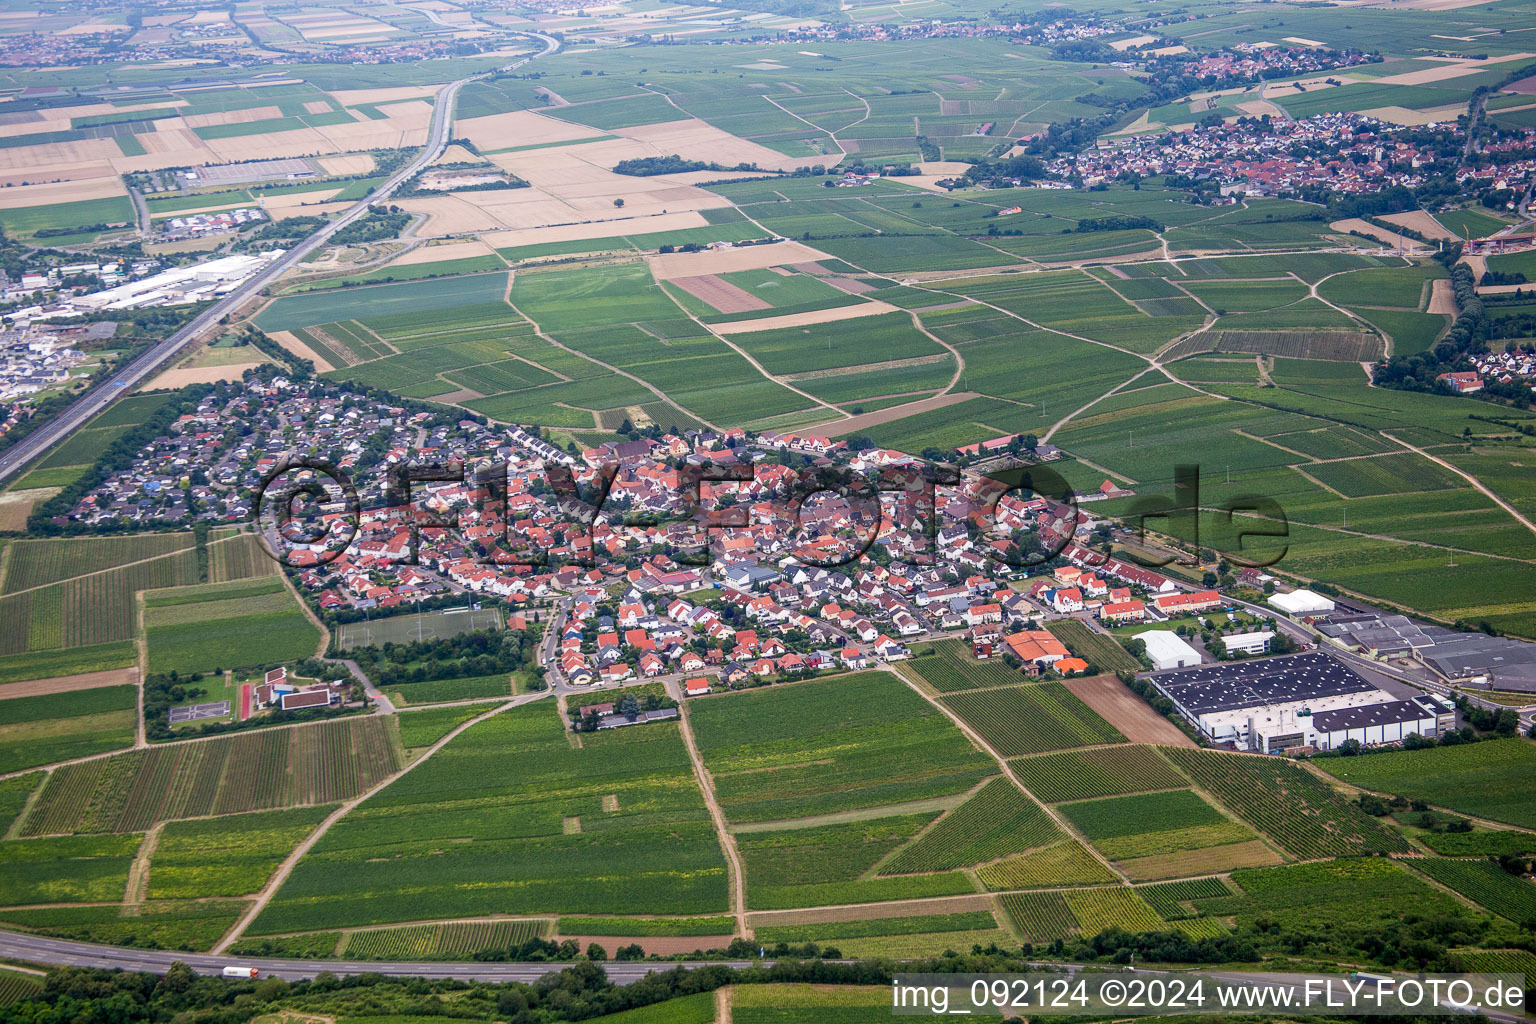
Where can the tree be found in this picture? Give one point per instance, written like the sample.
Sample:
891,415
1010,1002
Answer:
596,953
618,202
629,705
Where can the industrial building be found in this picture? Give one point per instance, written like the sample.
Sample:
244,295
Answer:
1274,705
1473,660
1301,602
1428,715
1166,649
177,285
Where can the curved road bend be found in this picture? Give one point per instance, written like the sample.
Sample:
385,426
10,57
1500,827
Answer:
99,397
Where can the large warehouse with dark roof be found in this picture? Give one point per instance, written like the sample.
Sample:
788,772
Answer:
1272,705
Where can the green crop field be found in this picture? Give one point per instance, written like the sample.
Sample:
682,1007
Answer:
1175,900
1486,884
199,628
449,940
1101,652
855,741
1065,863
1078,775
1142,825
475,831
954,668
1287,803
997,821
227,856
58,727
66,869
1490,780
319,763
1031,719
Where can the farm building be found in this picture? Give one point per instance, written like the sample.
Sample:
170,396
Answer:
1269,705
1167,650
1301,602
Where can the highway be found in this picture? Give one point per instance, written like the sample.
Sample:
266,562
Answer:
63,952
163,352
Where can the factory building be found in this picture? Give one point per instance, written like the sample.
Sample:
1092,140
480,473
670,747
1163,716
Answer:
1275,705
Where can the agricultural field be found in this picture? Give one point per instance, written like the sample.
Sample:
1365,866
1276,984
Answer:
1287,803
1143,825
858,741
1067,862
59,727
1101,652
955,669
231,855
475,832
1489,779
998,820
1081,774
226,625
1032,719
452,940
320,763
1486,884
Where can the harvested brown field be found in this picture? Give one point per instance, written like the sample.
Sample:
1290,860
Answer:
1525,87
16,506
673,265
180,378
1252,854
596,229
1365,227
1423,223
1416,118
852,286
661,945
223,117
863,421
871,911
1127,712
53,192
439,253
350,163
69,684
1442,297
819,316
721,294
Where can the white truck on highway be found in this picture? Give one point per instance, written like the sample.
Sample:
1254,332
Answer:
241,972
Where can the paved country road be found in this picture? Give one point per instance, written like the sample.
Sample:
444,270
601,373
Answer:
163,352
63,952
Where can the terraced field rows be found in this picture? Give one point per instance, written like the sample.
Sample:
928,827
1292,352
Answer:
319,763
1079,775
455,940
1287,803
997,821
1032,719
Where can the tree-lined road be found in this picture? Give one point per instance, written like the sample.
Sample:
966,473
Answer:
163,352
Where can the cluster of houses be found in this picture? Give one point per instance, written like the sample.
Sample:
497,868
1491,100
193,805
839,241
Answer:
1500,367
197,225
1254,62
1344,152
39,357
763,597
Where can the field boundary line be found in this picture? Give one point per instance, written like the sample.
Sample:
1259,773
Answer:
137,890
738,875
14,830
99,572
1469,478
976,738
289,862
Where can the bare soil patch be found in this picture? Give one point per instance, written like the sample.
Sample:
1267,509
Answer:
439,253
669,266
69,684
1252,854
1442,297
850,285
16,506
662,945
864,421
818,316
1365,227
721,294
876,912
1127,712
180,378
1423,223
297,347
